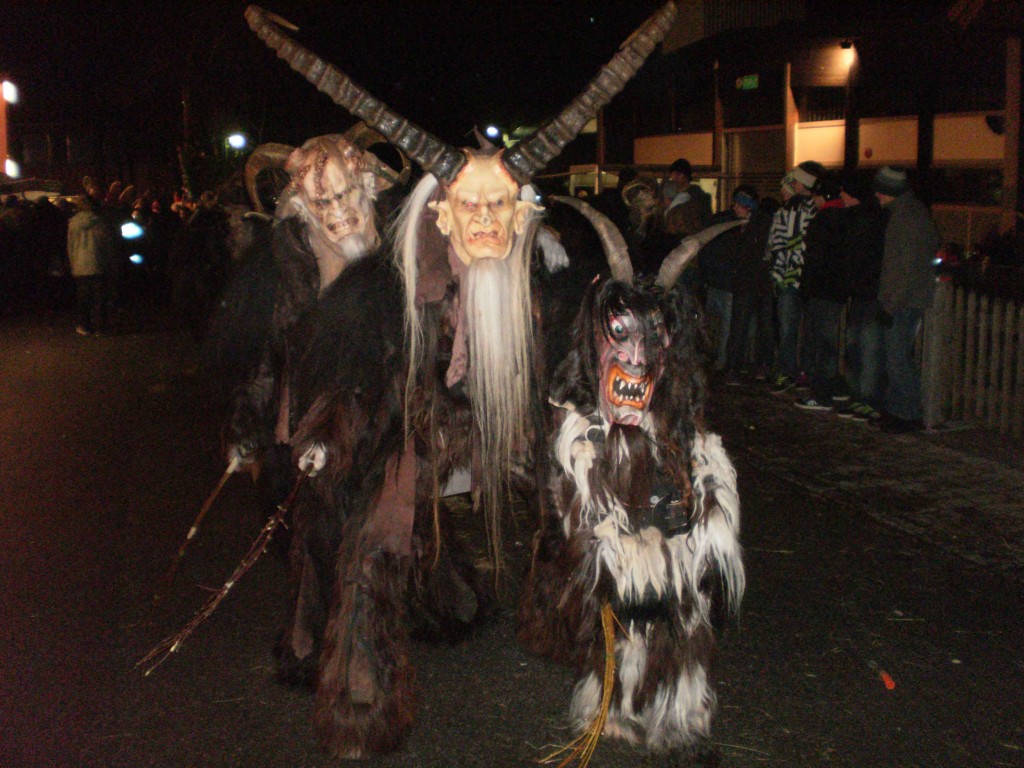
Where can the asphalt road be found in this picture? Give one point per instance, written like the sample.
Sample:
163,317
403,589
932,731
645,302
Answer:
109,446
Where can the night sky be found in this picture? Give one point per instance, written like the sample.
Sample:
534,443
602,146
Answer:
118,71
446,66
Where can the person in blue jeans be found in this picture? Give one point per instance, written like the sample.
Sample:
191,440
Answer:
865,229
786,244
906,290
824,288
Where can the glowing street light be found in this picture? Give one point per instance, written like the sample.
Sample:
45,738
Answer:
492,131
237,141
9,96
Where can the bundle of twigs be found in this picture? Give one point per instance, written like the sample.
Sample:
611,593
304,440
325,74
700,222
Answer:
170,644
582,747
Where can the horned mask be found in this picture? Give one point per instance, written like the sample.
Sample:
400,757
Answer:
480,213
481,216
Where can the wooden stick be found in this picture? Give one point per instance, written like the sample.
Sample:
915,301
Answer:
169,576
169,645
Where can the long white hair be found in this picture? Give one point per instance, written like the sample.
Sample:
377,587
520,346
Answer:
499,339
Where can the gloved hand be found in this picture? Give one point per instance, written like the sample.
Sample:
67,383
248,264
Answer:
555,257
240,455
314,458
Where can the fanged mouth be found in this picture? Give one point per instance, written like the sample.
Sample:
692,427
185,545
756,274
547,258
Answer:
626,390
341,226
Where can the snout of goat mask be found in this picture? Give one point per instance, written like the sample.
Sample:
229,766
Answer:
630,341
480,213
334,189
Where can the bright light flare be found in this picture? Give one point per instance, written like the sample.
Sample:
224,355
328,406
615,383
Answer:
136,258
237,141
131,230
492,131
12,169
10,92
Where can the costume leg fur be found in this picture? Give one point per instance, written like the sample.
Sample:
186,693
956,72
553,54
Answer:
365,699
665,591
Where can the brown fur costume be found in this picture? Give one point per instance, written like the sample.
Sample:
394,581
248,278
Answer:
645,519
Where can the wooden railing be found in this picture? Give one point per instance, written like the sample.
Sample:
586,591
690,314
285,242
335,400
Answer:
972,360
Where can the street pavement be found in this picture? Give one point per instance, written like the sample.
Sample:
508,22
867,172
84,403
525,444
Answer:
871,558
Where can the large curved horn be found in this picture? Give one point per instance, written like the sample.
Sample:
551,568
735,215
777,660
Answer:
431,153
264,157
533,153
363,136
615,249
674,264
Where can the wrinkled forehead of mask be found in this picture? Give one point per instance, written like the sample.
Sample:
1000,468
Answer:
483,175
324,163
624,312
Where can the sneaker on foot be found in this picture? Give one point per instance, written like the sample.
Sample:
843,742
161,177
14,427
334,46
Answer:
810,404
847,410
782,383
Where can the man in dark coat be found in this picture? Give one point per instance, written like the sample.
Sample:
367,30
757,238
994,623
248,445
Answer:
906,290
824,289
752,300
864,228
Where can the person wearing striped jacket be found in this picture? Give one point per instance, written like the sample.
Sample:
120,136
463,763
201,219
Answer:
786,249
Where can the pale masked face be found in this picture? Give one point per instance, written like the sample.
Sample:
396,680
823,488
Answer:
480,213
337,200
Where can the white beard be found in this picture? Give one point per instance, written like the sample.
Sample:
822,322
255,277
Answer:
499,342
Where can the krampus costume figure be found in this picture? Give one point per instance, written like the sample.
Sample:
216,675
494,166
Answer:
645,517
324,222
320,252
467,394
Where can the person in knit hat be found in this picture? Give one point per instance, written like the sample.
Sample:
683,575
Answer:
687,206
890,182
786,246
906,289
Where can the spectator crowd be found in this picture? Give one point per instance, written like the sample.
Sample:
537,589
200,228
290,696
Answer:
70,252
819,293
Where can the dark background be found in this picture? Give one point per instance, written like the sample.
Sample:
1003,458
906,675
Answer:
129,65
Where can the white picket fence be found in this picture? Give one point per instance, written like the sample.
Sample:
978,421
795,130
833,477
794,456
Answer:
972,361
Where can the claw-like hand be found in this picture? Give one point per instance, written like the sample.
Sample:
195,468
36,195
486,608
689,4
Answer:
555,257
314,459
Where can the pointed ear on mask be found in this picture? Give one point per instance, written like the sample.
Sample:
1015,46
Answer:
523,210
444,216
